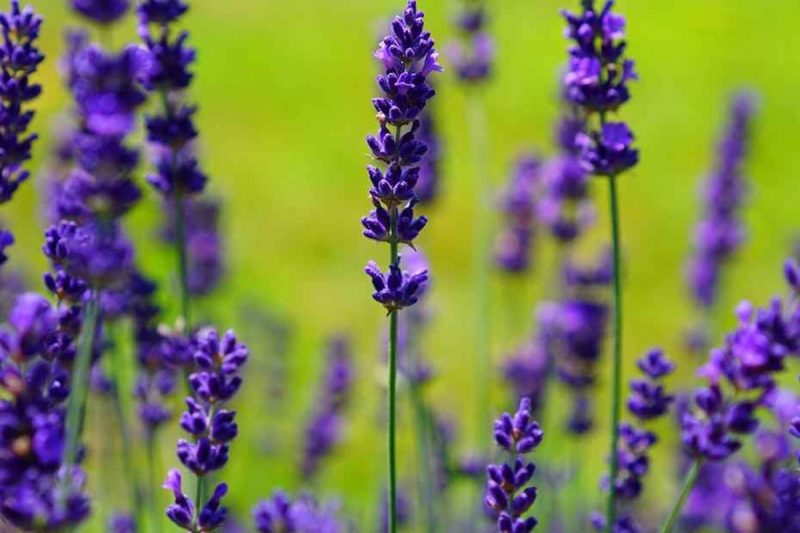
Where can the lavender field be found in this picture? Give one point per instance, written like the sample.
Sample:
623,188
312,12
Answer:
328,267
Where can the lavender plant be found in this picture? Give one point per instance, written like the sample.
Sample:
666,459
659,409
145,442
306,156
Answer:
409,57
171,131
215,379
509,494
519,206
597,84
280,514
19,60
719,233
741,378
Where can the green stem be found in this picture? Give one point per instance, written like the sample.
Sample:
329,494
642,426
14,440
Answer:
80,384
155,515
183,270
688,484
118,384
616,386
482,233
393,258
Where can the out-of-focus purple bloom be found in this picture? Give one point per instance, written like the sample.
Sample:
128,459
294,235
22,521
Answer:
518,205
527,371
101,11
203,243
122,523
323,430
719,233
280,514
508,493
403,517
648,399
19,59
472,56
6,240
217,363
747,363
408,57
428,182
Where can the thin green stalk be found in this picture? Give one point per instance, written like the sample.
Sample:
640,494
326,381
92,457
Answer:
688,484
183,269
393,388
119,384
80,383
155,515
616,386
482,233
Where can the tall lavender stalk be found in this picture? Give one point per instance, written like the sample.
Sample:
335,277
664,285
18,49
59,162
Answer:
472,58
408,56
719,233
596,83
171,131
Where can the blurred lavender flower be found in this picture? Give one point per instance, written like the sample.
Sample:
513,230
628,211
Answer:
747,363
6,240
35,355
217,363
508,494
280,514
19,59
101,11
719,233
472,56
428,183
519,206
203,243
323,430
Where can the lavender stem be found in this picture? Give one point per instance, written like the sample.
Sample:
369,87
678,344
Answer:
688,484
482,233
616,387
183,270
393,259
76,406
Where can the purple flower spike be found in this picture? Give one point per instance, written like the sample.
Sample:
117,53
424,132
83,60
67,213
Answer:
473,55
519,208
280,514
19,59
508,495
609,153
655,364
397,289
791,271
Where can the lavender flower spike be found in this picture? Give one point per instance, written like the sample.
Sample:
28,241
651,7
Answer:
508,494
473,55
217,363
519,206
596,83
19,59
408,56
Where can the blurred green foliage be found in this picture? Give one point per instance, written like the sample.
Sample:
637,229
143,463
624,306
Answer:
284,91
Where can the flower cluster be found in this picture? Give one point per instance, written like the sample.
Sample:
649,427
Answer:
203,243
19,59
280,514
101,11
719,233
473,55
565,208
519,207
323,431
596,81
577,327
746,364
217,362
507,492
36,351
408,57
172,131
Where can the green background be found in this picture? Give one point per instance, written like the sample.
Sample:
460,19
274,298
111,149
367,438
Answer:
284,91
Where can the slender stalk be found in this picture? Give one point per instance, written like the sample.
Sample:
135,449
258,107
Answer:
76,405
482,233
616,386
393,257
118,384
183,269
688,484
155,516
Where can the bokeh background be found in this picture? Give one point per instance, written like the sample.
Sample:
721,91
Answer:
284,91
